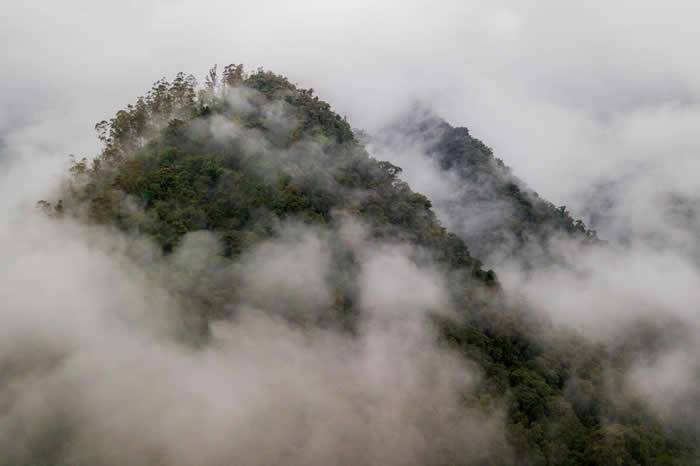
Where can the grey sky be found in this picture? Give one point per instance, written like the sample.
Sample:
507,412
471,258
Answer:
568,93
563,91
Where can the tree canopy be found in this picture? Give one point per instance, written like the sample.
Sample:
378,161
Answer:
246,151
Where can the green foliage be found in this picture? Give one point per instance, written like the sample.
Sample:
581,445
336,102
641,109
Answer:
161,174
516,219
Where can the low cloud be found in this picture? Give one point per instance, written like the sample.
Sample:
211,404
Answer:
94,370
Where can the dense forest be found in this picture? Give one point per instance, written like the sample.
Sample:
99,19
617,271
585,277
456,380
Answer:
495,212
245,153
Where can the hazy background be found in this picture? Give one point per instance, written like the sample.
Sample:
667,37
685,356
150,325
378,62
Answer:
594,105
564,92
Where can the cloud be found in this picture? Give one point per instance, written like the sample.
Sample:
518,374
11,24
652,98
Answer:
94,370
539,81
594,105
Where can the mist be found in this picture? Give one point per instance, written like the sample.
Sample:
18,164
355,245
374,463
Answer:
93,367
593,106
635,292
558,90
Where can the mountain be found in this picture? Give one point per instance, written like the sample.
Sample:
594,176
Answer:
247,156
497,215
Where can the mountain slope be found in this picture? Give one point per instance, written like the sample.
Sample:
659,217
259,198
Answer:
498,215
249,153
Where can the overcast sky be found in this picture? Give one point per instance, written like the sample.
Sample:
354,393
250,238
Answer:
568,93
565,92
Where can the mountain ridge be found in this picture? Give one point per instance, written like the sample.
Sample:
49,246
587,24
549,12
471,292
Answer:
247,153
510,216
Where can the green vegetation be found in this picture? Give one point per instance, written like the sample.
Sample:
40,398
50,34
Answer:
513,218
248,151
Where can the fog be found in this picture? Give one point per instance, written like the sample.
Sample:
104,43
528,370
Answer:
565,93
93,370
593,105
635,292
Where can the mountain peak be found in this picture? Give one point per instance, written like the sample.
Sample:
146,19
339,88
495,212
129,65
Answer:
260,200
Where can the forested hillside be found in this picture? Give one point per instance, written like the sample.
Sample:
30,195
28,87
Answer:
245,155
496,214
